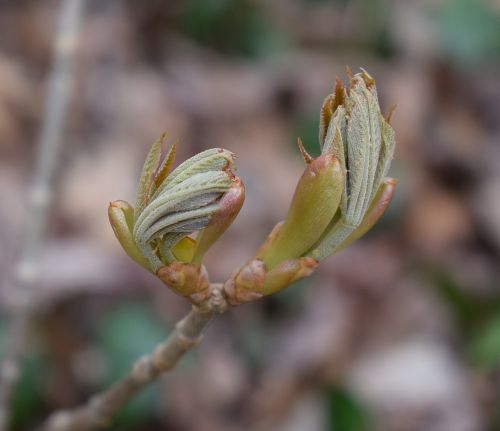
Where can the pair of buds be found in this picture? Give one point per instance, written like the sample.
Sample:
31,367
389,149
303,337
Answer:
340,196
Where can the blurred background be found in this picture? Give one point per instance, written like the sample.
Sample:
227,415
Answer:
400,332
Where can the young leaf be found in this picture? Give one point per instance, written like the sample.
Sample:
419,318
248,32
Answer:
164,169
149,168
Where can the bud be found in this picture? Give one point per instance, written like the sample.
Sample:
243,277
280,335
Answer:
172,205
286,273
340,196
176,212
353,129
252,281
186,280
245,285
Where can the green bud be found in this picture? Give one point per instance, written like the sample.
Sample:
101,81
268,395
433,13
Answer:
172,205
182,203
353,129
178,211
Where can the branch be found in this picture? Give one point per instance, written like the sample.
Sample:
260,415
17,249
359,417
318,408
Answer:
98,412
40,198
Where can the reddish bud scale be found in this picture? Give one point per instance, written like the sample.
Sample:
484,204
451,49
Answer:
245,285
229,206
287,273
186,280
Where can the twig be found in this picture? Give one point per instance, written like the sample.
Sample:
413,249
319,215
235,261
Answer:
49,144
98,412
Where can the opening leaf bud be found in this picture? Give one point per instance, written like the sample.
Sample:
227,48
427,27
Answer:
353,129
172,205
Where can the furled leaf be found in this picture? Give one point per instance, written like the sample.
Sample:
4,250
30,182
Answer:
146,179
164,169
216,159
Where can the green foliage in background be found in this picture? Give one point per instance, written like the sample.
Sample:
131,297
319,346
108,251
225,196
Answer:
345,412
470,310
470,30
237,27
485,345
478,319
27,399
123,335
375,31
